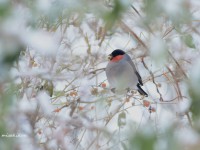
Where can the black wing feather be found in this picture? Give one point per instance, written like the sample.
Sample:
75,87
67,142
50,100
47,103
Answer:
128,58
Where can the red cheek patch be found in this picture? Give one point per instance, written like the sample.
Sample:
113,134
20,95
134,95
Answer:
117,58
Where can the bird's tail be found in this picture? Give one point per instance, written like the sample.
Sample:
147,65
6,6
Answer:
141,91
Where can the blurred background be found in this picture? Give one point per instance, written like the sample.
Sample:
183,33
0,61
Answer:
53,90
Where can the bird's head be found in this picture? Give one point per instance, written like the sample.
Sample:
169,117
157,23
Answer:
116,55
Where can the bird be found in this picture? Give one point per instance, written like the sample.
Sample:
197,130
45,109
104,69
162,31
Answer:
122,74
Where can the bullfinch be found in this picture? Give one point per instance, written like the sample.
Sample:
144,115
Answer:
122,74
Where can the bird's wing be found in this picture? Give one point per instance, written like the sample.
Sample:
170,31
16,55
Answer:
128,58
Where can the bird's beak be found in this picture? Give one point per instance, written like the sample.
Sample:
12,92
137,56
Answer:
110,57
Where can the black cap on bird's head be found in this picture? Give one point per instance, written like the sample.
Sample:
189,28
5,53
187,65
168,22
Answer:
116,53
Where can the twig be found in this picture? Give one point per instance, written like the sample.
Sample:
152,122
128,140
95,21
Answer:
189,118
136,10
142,18
177,64
176,82
110,117
168,31
94,71
115,112
153,79
80,139
127,29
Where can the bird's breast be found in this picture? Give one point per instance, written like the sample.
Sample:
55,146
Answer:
121,75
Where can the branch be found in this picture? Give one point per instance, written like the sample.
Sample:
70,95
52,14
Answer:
176,82
127,29
177,64
153,79
94,71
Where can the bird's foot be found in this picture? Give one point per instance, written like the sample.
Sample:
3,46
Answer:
128,90
113,90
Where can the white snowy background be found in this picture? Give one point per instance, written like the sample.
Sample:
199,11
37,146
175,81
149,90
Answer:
53,90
